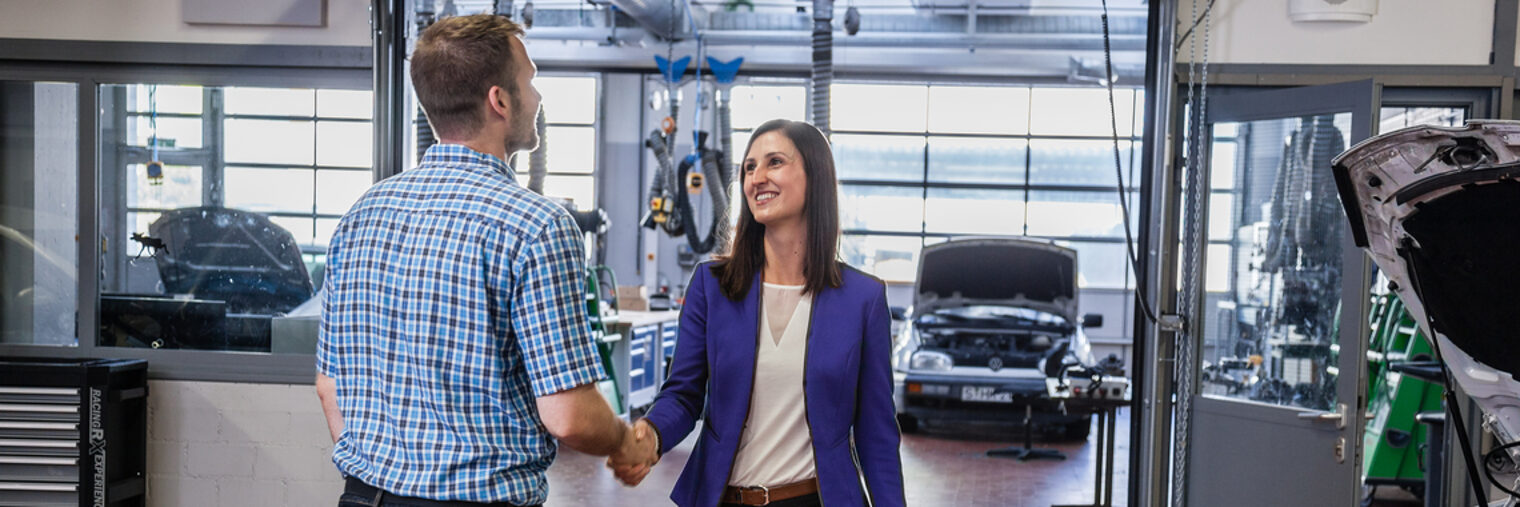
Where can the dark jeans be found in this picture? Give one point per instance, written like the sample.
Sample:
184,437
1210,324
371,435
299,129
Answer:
801,501
358,494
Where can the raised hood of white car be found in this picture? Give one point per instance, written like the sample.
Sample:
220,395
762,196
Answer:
1019,272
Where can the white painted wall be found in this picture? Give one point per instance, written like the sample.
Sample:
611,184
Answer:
214,444
163,21
1404,32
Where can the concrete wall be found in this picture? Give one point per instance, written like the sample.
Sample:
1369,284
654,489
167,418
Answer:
347,23
1402,33
230,445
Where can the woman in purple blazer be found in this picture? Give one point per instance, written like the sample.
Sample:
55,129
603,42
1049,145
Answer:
784,352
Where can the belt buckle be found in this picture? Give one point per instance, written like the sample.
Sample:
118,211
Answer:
766,491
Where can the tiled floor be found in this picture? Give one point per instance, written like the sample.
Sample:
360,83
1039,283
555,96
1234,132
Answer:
945,467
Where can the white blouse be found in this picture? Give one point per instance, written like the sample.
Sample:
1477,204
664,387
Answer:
775,448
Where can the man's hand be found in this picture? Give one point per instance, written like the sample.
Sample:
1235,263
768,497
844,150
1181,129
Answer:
637,455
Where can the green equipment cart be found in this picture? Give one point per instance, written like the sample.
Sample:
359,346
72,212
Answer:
1394,444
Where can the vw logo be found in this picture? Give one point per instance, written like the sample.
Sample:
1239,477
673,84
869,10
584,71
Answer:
996,363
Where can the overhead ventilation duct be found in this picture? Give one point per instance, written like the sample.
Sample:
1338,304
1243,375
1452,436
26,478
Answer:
663,18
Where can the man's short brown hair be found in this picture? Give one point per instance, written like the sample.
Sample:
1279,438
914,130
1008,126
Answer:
457,60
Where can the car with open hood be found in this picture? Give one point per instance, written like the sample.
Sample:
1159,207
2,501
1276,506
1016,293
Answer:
989,316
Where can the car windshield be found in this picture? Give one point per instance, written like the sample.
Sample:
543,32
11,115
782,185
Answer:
991,316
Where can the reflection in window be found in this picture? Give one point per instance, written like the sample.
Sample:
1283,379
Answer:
39,246
222,222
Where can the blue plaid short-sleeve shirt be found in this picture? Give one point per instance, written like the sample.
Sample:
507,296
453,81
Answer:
454,298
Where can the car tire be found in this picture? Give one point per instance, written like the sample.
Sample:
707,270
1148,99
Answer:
1078,431
907,423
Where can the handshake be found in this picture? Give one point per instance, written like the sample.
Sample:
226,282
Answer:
639,452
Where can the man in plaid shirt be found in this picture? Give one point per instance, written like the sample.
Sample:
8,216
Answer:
454,341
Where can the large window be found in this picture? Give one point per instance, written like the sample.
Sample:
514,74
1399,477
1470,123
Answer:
922,163
216,206
570,140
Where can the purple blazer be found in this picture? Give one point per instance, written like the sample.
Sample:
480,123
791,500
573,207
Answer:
847,385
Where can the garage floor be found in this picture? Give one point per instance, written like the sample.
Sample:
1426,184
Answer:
942,467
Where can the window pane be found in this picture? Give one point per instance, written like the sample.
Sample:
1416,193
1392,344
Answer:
1100,265
287,190
346,104
39,188
1062,213
971,211
979,109
1221,216
337,191
975,160
299,227
571,150
1222,170
324,232
270,141
579,189
753,105
1217,268
179,188
1079,112
878,108
892,258
568,99
879,208
345,144
270,101
165,99
874,157
1076,162
172,132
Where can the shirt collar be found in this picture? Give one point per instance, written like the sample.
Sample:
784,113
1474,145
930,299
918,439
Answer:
460,155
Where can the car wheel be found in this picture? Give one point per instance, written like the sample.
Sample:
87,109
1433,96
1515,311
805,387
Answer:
1079,430
907,423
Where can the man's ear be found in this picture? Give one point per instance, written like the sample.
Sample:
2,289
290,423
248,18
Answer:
499,102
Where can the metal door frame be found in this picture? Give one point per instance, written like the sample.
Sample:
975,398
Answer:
1361,99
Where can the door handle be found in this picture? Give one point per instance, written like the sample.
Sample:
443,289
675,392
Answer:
1338,416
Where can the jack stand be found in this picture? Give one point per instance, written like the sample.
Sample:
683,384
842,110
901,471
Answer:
1027,452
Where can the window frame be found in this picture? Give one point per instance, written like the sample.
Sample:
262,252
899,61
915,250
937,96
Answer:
339,67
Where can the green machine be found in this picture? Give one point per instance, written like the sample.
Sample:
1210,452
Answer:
1394,443
597,309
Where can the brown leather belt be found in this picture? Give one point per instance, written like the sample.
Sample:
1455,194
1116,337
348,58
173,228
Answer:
761,495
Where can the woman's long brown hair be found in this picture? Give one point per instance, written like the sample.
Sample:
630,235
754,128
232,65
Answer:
736,269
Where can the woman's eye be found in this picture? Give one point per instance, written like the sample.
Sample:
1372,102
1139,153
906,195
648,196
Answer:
775,161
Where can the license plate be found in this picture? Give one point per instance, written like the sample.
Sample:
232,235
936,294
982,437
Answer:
985,394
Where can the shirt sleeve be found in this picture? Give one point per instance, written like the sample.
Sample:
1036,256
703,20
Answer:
325,348
548,311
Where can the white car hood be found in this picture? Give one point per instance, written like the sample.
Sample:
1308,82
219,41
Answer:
1436,208
1020,272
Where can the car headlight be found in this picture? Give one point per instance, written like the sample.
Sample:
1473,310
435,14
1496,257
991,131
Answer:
930,360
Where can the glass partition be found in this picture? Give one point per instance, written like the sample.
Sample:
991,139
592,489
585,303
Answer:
39,233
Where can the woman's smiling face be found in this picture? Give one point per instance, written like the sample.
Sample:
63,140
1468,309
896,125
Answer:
775,181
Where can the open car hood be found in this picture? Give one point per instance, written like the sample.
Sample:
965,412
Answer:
1436,207
1020,272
